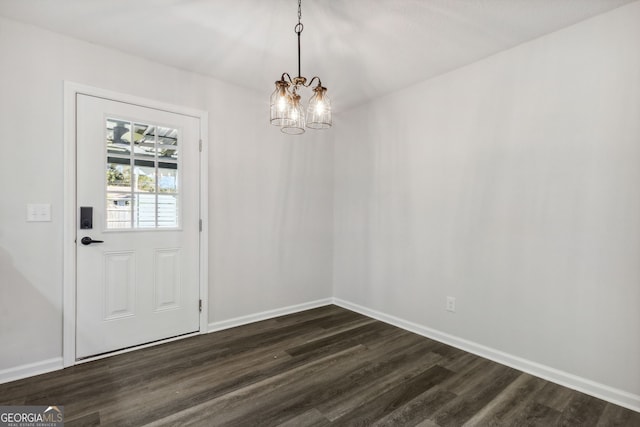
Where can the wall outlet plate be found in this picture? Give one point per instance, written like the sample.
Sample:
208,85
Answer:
451,304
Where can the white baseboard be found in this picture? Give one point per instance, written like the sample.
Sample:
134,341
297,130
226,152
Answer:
30,370
269,314
601,391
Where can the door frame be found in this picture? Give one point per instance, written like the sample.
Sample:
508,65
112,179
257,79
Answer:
69,273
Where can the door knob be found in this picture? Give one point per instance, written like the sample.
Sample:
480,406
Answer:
88,240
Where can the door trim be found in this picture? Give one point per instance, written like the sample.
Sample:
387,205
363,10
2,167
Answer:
71,90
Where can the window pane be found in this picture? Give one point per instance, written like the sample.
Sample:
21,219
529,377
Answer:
167,143
144,211
167,210
118,174
116,129
144,141
118,210
167,177
145,176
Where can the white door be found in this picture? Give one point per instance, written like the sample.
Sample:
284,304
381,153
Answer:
138,186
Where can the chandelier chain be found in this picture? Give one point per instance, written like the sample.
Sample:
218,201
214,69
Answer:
298,29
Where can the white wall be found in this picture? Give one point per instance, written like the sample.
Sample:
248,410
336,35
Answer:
512,184
271,211
270,195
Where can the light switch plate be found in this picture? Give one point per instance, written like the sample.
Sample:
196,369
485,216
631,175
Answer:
38,212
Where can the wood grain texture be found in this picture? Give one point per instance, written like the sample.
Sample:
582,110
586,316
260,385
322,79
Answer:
322,367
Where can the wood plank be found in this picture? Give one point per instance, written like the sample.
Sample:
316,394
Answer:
536,414
555,396
481,390
582,410
400,364
617,416
311,418
417,411
89,420
246,405
373,410
508,404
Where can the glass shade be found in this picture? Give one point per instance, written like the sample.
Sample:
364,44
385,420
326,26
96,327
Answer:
319,111
280,104
295,120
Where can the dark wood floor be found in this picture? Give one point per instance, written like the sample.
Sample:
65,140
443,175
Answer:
326,366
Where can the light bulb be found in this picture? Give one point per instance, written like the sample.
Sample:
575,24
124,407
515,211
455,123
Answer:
282,103
320,107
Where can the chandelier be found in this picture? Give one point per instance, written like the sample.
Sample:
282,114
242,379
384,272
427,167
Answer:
287,110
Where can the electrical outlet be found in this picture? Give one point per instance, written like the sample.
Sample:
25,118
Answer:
451,304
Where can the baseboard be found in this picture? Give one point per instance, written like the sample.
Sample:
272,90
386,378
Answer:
269,314
30,370
601,391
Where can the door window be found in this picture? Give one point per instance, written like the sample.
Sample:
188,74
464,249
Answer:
142,176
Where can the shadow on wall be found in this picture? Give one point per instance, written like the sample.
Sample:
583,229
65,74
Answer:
25,318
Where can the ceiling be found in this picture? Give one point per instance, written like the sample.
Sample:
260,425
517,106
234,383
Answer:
361,49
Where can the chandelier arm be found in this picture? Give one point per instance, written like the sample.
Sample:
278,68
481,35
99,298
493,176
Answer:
311,81
288,77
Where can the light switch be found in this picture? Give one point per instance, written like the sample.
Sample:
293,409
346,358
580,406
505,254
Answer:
39,212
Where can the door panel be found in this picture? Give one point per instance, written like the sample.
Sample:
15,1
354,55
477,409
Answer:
138,168
167,284
119,285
